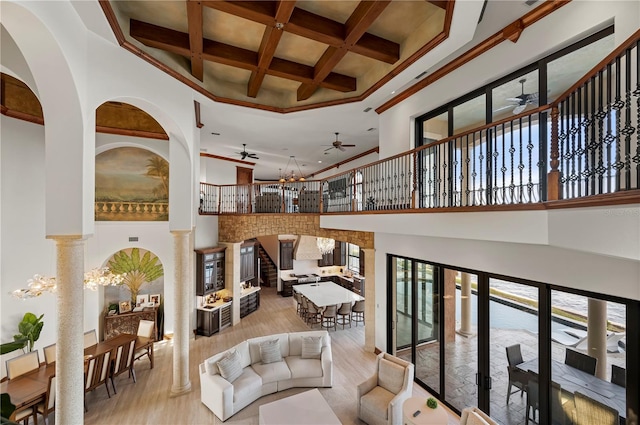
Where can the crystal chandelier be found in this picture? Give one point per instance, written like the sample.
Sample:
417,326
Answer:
325,245
291,177
92,279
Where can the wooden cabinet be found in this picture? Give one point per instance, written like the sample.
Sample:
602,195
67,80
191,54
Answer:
247,262
208,322
209,270
249,303
287,287
286,255
358,285
326,260
340,254
127,323
361,272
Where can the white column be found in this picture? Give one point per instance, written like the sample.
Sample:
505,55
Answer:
369,299
597,334
181,383
465,305
70,345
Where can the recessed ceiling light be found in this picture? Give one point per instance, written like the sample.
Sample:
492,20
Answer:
319,162
393,92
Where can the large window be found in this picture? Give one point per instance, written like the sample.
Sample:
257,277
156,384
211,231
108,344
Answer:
353,257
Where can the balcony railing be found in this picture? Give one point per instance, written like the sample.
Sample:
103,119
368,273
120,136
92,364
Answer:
584,143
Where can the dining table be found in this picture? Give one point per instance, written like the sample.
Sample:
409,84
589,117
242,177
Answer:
572,380
323,294
30,388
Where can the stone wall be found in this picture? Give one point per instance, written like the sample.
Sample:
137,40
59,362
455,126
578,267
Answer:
237,228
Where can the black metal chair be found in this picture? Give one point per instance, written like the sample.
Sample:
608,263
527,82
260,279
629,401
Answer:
619,375
580,361
517,378
590,411
558,414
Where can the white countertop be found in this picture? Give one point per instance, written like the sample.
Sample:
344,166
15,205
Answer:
214,306
327,293
251,290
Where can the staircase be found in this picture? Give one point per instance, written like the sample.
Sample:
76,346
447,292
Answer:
268,269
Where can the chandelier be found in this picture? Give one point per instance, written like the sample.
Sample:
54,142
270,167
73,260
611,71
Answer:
325,245
92,280
291,177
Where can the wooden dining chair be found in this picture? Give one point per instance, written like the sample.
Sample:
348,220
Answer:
97,373
123,362
145,340
22,364
580,361
49,404
90,338
50,354
23,415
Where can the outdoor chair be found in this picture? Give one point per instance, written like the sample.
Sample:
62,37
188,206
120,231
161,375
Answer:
380,397
589,411
558,414
517,378
612,341
619,375
22,364
580,361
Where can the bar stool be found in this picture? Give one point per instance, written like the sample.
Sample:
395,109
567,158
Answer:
304,307
357,312
298,300
314,314
329,317
344,314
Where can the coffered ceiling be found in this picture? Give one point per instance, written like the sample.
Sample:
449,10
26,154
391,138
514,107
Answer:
284,55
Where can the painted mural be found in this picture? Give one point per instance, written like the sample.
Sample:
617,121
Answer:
132,184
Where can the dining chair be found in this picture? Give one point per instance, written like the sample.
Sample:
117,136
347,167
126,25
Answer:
344,314
97,372
145,340
23,415
589,411
90,338
357,312
619,375
558,414
329,315
50,354
49,404
22,364
123,362
580,361
517,378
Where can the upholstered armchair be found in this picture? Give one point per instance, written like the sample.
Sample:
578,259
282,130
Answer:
473,416
381,396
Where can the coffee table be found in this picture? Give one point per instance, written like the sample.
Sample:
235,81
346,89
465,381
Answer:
307,408
437,416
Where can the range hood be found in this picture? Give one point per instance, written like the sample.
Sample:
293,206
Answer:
306,248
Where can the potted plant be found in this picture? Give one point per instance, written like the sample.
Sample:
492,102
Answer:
29,328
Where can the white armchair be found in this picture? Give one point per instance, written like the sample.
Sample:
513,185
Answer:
381,396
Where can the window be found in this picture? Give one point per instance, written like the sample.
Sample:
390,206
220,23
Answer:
353,257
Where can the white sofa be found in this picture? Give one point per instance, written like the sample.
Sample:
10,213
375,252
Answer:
225,399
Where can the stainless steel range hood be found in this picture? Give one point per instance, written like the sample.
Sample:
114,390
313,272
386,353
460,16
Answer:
306,248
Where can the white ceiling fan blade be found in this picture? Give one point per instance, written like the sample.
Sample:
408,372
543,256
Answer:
341,148
513,99
519,109
503,108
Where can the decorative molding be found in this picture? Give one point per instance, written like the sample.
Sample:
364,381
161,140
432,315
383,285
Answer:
224,158
133,133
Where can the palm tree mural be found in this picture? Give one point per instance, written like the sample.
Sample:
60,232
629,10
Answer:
159,168
139,270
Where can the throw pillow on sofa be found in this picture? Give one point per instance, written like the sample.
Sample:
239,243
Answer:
311,347
270,351
230,366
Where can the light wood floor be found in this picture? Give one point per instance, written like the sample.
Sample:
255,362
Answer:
148,401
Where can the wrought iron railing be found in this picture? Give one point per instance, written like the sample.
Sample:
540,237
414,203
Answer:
584,143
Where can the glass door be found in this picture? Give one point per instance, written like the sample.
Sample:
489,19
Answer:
404,311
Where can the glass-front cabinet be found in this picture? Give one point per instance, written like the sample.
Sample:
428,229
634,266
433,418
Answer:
210,270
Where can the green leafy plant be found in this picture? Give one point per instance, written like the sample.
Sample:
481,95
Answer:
432,403
7,408
138,270
29,328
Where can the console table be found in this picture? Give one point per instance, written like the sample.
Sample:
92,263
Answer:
127,323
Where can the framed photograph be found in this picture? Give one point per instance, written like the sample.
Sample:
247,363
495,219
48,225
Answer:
155,299
125,306
142,299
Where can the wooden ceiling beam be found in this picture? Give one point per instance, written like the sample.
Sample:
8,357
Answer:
194,18
311,26
268,46
178,42
356,26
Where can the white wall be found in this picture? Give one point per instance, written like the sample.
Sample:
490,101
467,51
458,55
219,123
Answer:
367,159
218,171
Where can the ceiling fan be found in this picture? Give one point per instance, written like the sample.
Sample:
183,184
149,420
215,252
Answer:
520,102
339,145
244,154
